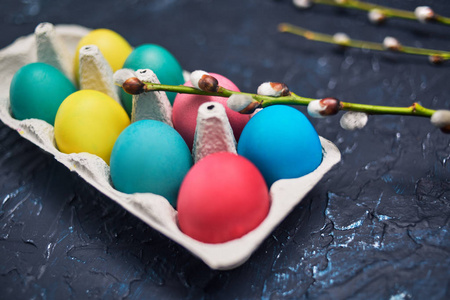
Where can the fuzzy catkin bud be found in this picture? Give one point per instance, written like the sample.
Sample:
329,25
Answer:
424,14
341,39
274,89
376,16
196,76
244,104
436,59
302,4
441,119
324,107
391,43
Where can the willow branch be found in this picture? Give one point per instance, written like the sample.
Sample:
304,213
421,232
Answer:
264,101
388,12
331,39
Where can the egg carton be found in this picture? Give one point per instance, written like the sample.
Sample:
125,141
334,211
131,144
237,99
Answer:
152,209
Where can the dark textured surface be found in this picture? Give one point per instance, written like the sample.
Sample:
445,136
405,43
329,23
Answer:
376,227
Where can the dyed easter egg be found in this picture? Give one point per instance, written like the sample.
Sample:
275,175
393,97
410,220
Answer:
112,45
185,110
89,121
37,90
281,142
150,157
223,197
160,61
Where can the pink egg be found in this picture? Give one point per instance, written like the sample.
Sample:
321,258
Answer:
185,108
222,197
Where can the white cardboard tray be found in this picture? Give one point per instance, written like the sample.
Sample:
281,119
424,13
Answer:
150,208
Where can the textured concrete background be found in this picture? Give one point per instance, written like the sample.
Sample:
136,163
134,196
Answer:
376,227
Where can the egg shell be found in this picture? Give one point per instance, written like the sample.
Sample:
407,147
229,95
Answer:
89,121
281,142
37,90
150,157
222,198
185,111
160,61
114,48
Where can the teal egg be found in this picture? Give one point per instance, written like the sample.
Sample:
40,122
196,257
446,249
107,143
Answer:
150,157
37,90
281,142
160,61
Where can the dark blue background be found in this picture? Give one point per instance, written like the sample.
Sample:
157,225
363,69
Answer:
376,227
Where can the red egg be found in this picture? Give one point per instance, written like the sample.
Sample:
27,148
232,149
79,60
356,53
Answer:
185,108
222,197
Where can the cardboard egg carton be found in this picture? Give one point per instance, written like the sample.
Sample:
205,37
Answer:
150,208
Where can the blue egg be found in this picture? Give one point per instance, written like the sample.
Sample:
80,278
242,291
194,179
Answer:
37,90
150,157
281,142
160,61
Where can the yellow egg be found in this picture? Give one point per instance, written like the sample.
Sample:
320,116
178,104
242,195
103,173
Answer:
112,45
89,121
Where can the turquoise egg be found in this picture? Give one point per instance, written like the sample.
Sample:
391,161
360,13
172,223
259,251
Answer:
150,157
37,90
281,142
160,61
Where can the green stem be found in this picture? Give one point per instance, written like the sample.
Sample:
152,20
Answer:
293,99
366,6
389,12
413,110
326,38
443,20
